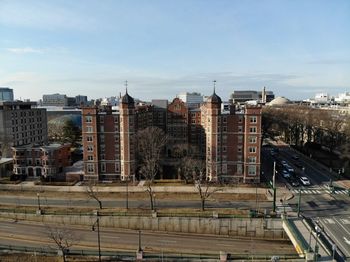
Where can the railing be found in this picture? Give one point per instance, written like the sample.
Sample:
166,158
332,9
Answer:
301,241
121,214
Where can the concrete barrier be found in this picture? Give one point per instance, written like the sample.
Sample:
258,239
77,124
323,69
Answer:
244,227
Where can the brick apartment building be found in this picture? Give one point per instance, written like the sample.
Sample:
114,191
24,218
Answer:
228,139
35,161
21,123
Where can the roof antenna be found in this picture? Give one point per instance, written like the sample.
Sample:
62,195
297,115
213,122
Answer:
126,86
214,85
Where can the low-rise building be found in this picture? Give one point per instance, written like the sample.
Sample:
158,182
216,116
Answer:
35,160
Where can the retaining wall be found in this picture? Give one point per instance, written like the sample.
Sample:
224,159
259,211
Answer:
244,227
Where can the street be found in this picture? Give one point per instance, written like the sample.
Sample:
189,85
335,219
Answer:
30,234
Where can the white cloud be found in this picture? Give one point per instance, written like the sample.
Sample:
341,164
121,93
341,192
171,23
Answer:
24,50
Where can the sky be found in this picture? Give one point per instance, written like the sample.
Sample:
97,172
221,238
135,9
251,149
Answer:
295,48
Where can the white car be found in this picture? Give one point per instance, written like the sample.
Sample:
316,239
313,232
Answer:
305,181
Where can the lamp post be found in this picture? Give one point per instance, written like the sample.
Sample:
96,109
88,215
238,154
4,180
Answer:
38,195
127,193
97,223
299,202
139,249
318,231
274,186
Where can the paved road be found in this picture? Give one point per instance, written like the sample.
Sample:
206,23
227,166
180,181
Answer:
22,233
110,203
338,229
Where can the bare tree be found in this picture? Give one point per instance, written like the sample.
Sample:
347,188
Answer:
92,191
186,155
202,184
63,238
151,141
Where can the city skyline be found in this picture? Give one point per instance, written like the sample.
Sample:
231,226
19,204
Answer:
295,49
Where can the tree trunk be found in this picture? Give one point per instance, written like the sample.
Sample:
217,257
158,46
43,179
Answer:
100,203
203,203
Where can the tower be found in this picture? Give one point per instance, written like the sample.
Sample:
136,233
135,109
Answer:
127,137
212,112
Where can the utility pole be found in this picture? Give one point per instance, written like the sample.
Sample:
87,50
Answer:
274,186
299,200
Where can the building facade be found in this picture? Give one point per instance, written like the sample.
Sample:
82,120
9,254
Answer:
40,161
21,123
228,138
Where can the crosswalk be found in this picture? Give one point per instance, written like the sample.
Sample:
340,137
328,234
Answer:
320,190
283,208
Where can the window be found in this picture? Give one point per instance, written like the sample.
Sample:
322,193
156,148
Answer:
90,168
252,129
102,119
239,169
102,128
88,119
102,139
252,159
240,129
224,120
239,148
240,119
117,167
253,119
102,156
103,167
89,129
90,148
252,139
90,158
240,139
251,170
252,149
89,138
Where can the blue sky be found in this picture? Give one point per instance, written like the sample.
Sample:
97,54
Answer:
294,48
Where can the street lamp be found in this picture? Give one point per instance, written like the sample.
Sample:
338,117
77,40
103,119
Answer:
38,195
97,223
127,193
318,232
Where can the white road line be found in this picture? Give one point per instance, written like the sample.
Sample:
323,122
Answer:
167,241
10,227
224,245
318,191
111,237
341,224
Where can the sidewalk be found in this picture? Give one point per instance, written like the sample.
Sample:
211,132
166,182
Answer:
29,186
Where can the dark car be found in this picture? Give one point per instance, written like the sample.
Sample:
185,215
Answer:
295,157
294,182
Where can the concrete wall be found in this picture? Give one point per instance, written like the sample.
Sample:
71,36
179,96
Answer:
245,227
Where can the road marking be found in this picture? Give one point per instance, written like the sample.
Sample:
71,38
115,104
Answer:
318,191
2,226
344,191
329,221
345,221
167,241
111,237
224,245
347,231
337,192
346,241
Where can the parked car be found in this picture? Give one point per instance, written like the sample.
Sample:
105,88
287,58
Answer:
305,181
283,162
294,182
289,168
285,174
295,157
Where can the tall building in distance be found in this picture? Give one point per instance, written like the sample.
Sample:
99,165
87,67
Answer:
228,138
242,96
6,94
191,99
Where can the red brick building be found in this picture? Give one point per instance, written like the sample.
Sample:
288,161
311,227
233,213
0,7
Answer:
45,161
228,139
